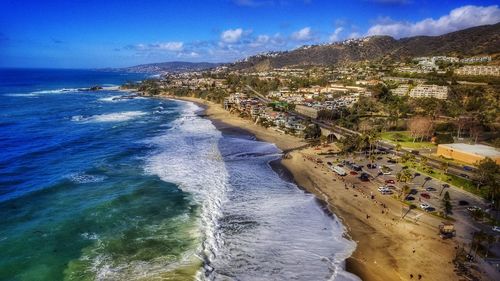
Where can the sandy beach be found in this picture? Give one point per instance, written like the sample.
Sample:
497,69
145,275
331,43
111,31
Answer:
388,247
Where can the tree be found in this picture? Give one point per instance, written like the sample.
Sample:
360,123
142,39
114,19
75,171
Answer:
487,173
420,127
404,191
446,201
312,131
404,176
426,180
444,166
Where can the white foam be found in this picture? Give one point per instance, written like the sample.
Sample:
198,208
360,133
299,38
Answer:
57,91
83,178
109,117
112,99
196,166
22,95
254,225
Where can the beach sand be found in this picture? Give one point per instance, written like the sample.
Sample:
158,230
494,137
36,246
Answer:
388,247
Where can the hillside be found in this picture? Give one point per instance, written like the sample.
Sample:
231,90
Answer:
172,67
472,41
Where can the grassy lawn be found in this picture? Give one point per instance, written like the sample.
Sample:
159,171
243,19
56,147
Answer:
405,140
459,182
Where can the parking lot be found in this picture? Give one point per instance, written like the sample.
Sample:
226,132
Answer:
423,190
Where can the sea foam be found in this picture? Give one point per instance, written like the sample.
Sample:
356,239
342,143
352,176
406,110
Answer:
109,117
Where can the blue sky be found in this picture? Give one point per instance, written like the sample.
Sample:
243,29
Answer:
87,34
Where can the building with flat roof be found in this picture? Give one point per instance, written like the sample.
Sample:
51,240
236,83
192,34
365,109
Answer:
490,70
430,91
468,153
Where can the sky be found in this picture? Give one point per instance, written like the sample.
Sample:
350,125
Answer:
118,33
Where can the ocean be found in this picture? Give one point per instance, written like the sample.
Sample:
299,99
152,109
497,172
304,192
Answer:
94,186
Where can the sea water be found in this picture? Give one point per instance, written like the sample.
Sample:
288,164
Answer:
95,187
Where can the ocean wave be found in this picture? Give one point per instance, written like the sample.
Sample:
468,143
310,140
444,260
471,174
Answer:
120,98
22,95
109,117
256,226
196,166
111,99
57,91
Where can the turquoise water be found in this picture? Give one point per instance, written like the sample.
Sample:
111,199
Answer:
97,187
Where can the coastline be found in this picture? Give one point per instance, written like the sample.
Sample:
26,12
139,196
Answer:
388,248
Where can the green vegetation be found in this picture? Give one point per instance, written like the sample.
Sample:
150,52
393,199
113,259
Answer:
459,182
404,139
447,204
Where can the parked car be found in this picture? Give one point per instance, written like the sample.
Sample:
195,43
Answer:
390,181
392,161
417,174
463,203
364,177
467,168
409,198
424,206
329,163
430,209
430,189
464,176
425,195
413,191
384,190
354,173
356,167
473,208
371,166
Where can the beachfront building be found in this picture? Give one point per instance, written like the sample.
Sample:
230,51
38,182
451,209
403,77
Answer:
475,70
468,153
430,91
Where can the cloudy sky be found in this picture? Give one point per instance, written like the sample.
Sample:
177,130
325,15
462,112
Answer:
83,34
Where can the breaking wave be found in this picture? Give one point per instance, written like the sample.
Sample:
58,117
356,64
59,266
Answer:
109,117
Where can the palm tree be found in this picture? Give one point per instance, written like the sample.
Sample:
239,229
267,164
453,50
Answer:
443,187
404,176
444,166
404,191
426,180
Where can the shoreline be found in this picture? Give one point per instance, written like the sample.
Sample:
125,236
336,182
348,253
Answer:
388,248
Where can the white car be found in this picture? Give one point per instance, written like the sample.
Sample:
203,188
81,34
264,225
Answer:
424,206
496,228
384,190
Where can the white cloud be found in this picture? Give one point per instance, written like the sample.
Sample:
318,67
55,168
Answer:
335,36
457,19
305,34
231,35
173,46
170,46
